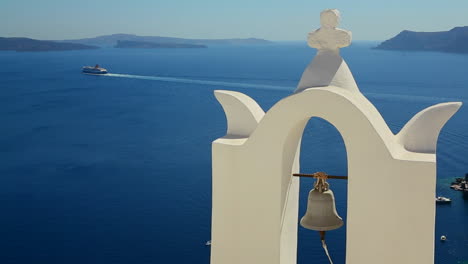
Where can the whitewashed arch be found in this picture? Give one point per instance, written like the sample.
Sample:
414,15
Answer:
392,178
255,199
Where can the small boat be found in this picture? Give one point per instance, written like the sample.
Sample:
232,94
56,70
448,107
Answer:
442,199
94,70
443,238
208,243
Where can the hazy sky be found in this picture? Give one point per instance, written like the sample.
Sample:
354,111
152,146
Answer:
269,19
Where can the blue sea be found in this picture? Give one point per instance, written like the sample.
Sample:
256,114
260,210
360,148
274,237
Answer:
117,169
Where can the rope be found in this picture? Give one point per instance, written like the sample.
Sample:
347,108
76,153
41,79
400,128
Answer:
324,245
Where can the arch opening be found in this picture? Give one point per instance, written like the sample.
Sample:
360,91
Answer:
322,149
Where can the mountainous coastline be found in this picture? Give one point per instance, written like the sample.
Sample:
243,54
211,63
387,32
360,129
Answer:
120,41
111,40
454,40
27,44
127,44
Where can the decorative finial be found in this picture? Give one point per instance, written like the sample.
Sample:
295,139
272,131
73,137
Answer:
328,37
328,68
330,18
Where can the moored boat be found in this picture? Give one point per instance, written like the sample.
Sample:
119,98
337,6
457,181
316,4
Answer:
94,70
442,199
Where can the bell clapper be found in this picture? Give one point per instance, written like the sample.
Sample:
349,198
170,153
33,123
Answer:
322,235
324,245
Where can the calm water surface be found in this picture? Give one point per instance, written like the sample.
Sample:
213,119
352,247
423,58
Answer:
117,169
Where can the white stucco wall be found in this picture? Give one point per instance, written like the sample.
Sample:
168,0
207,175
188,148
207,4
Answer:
255,198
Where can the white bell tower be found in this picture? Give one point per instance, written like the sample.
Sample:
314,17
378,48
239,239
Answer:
255,197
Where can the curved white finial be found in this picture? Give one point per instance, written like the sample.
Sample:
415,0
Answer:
328,68
421,132
242,112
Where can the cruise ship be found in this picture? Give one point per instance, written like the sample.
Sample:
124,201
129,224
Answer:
94,70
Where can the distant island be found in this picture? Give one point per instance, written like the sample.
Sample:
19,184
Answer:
120,41
455,41
111,40
27,44
152,45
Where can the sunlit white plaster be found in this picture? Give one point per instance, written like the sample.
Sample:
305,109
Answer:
255,198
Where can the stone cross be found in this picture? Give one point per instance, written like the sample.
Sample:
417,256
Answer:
328,37
328,68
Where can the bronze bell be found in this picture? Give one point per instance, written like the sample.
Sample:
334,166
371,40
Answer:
321,212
